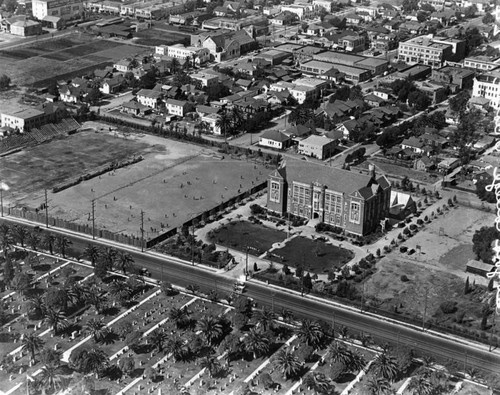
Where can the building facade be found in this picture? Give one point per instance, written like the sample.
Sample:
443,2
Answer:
487,85
24,120
354,202
65,9
431,51
179,51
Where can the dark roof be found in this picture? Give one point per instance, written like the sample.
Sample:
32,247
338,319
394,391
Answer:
333,178
275,135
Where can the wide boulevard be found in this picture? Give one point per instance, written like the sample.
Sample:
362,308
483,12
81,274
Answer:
467,353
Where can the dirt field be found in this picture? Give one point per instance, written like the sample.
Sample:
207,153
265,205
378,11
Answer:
173,182
65,57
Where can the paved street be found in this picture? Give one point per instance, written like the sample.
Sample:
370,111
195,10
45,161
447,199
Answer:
183,274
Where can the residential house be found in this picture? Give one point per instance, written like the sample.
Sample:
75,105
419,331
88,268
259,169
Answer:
352,201
436,92
284,19
150,98
123,65
456,78
383,93
320,147
134,108
435,141
206,79
448,164
374,100
423,164
414,144
275,139
339,108
112,85
176,107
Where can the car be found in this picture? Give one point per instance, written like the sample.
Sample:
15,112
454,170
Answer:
145,272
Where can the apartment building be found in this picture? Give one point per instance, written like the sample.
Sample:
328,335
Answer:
431,51
179,51
303,11
65,9
487,85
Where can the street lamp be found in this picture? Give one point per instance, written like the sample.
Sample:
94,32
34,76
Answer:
3,187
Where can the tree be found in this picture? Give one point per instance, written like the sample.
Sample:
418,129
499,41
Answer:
20,234
175,346
319,383
108,257
49,356
62,245
50,378
458,103
20,282
420,385
385,366
256,343
124,261
410,5
174,65
8,271
211,328
470,12
92,360
224,122
97,329
32,343
419,100
6,239
310,333
127,365
467,286
211,364
56,299
34,240
482,242
264,319
5,80
482,193
488,18
231,345
36,306
48,242
91,252
93,96
157,338
378,386
56,320
180,316
301,115
287,363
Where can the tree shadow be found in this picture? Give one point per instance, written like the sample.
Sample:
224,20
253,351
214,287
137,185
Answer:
110,338
113,372
110,311
41,268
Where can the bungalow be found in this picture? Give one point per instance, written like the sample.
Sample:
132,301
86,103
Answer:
72,94
374,100
134,108
150,98
413,144
123,65
448,164
383,93
211,121
348,127
434,140
176,107
275,139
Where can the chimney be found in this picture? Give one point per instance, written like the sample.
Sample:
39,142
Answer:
371,170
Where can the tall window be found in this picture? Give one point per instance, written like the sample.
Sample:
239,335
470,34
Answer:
354,215
275,192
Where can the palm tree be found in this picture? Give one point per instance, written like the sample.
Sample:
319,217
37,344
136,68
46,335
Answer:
179,316
287,315
124,261
211,329
6,239
91,252
56,320
287,363
211,364
157,338
32,343
48,242
265,319
97,329
34,240
94,361
420,385
338,352
224,122
186,62
175,346
231,345
319,383
36,305
386,366
256,343
237,118
174,65
77,293
121,291
378,386
96,298
49,378
20,234
310,333
108,256
62,244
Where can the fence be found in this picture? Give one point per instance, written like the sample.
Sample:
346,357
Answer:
32,215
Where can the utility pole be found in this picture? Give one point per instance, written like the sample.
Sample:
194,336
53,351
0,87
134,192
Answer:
491,330
142,231
46,210
425,309
93,219
192,243
1,199
363,297
333,324
246,265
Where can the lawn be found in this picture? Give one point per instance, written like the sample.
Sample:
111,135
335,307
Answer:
153,37
314,256
240,234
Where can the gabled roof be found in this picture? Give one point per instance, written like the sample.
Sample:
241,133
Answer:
149,93
178,103
275,135
413,142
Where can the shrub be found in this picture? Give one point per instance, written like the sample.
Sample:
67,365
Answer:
448,307
378,252
387,248
404,278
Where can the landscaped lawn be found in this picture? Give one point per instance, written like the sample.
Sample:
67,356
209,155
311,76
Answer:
315,256
239,235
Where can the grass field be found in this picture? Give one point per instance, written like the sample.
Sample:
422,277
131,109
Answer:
174,182
62,58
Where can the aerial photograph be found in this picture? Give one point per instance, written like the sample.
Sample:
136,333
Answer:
249,197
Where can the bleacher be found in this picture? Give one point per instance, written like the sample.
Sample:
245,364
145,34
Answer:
39,135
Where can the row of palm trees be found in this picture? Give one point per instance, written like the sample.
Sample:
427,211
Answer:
108,258
10,235
230,121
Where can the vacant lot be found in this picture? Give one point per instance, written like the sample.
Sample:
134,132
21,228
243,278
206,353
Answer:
174,182
74,55
155,37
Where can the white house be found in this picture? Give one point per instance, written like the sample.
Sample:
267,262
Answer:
23,120
148,97
176,107
199,54
211,121
206,79
275,139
